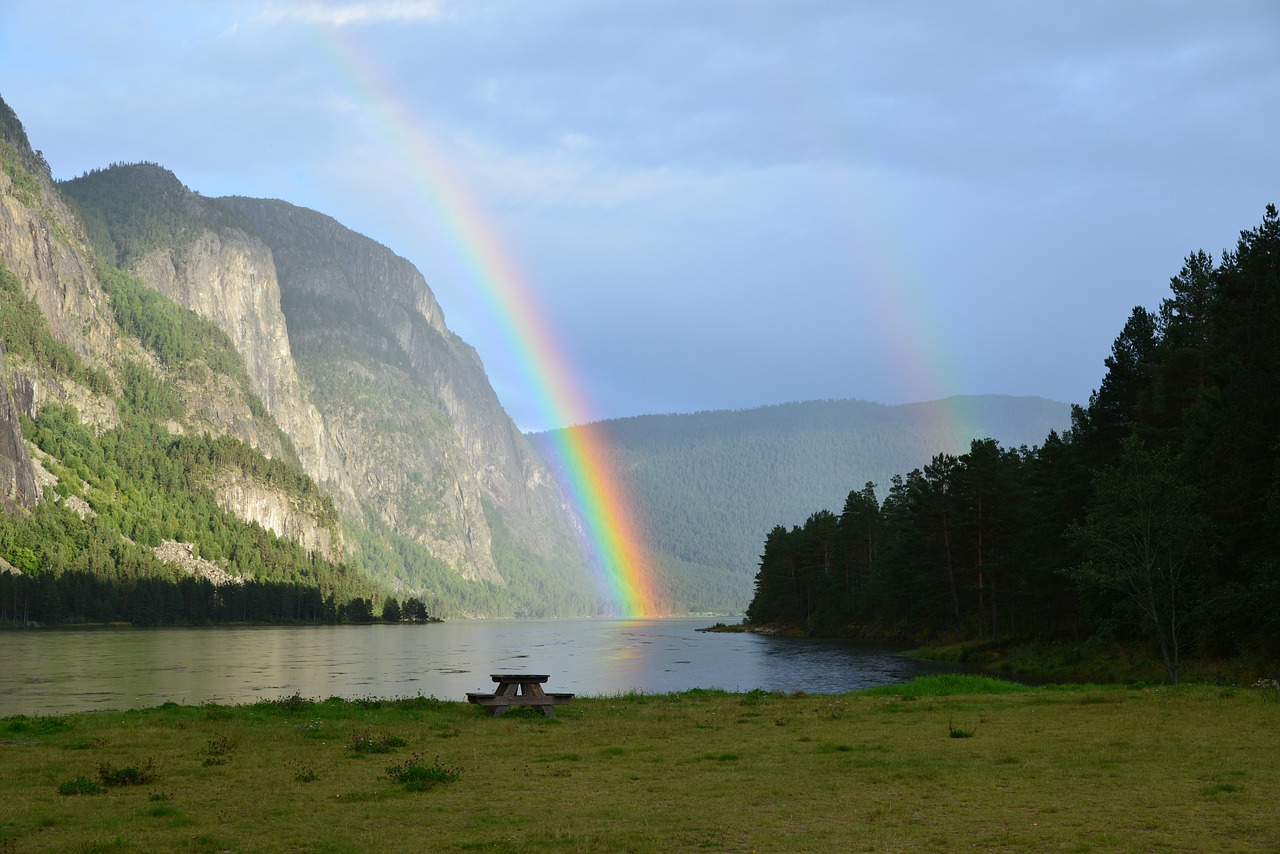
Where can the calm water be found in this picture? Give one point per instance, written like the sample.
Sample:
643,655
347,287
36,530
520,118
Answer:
65,671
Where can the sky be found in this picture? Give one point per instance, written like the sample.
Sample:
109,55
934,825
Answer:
708,204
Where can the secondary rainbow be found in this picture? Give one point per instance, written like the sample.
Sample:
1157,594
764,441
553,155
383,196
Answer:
810,106
613,543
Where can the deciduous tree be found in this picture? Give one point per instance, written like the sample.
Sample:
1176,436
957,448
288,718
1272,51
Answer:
1144,536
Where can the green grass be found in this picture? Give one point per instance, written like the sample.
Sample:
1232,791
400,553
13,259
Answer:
1082,769
947,685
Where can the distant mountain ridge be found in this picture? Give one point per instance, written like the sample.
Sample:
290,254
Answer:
709,486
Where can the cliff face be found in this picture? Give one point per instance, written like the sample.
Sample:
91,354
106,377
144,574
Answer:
17,474
229,278
283,514
362,385
45,252
43,249
348,350
42,244
422,437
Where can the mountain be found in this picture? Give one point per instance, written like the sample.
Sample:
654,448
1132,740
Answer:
709,487
308,369
425,444
238,388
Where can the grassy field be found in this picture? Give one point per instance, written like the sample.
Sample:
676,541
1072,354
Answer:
942,763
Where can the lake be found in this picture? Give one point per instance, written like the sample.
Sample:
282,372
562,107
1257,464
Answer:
58,671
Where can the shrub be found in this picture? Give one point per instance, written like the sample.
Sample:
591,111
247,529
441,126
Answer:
128,775
42,724
290,705
80,785
304,773
1268,689
415,775
218,750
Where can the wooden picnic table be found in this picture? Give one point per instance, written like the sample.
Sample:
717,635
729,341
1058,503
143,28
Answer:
519,689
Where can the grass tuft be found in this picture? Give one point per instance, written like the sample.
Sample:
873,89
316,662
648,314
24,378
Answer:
127,775
217,751
39,724
293,704
86,744
304,773
1268,690
1219,788
313,728
417,775
367,742
80,785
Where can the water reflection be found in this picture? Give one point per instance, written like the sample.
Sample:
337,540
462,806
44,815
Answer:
62,671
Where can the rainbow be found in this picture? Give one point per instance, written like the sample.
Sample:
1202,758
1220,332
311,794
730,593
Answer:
612,540
798,94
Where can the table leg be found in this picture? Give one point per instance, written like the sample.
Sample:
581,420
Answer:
505,689
531,692
534,690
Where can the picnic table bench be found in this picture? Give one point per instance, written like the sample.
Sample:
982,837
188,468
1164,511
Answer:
519,689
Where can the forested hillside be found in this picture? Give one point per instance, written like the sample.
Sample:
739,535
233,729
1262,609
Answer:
710,485
109,384
177,448
1155,514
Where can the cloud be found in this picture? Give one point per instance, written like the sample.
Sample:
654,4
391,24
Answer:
342,15
741,181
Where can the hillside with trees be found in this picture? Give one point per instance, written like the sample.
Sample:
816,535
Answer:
175,448
709,486
1154,516
101,413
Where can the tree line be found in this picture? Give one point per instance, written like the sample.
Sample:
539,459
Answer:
707,486
137,486
130,209
75,598
1157,512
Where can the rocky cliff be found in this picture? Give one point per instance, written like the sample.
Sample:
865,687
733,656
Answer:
43,247
278,511
42,243
42,255
229,278
422,437
17,475
348,350
330,357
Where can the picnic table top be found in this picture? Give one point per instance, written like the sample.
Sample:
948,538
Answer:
519,677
